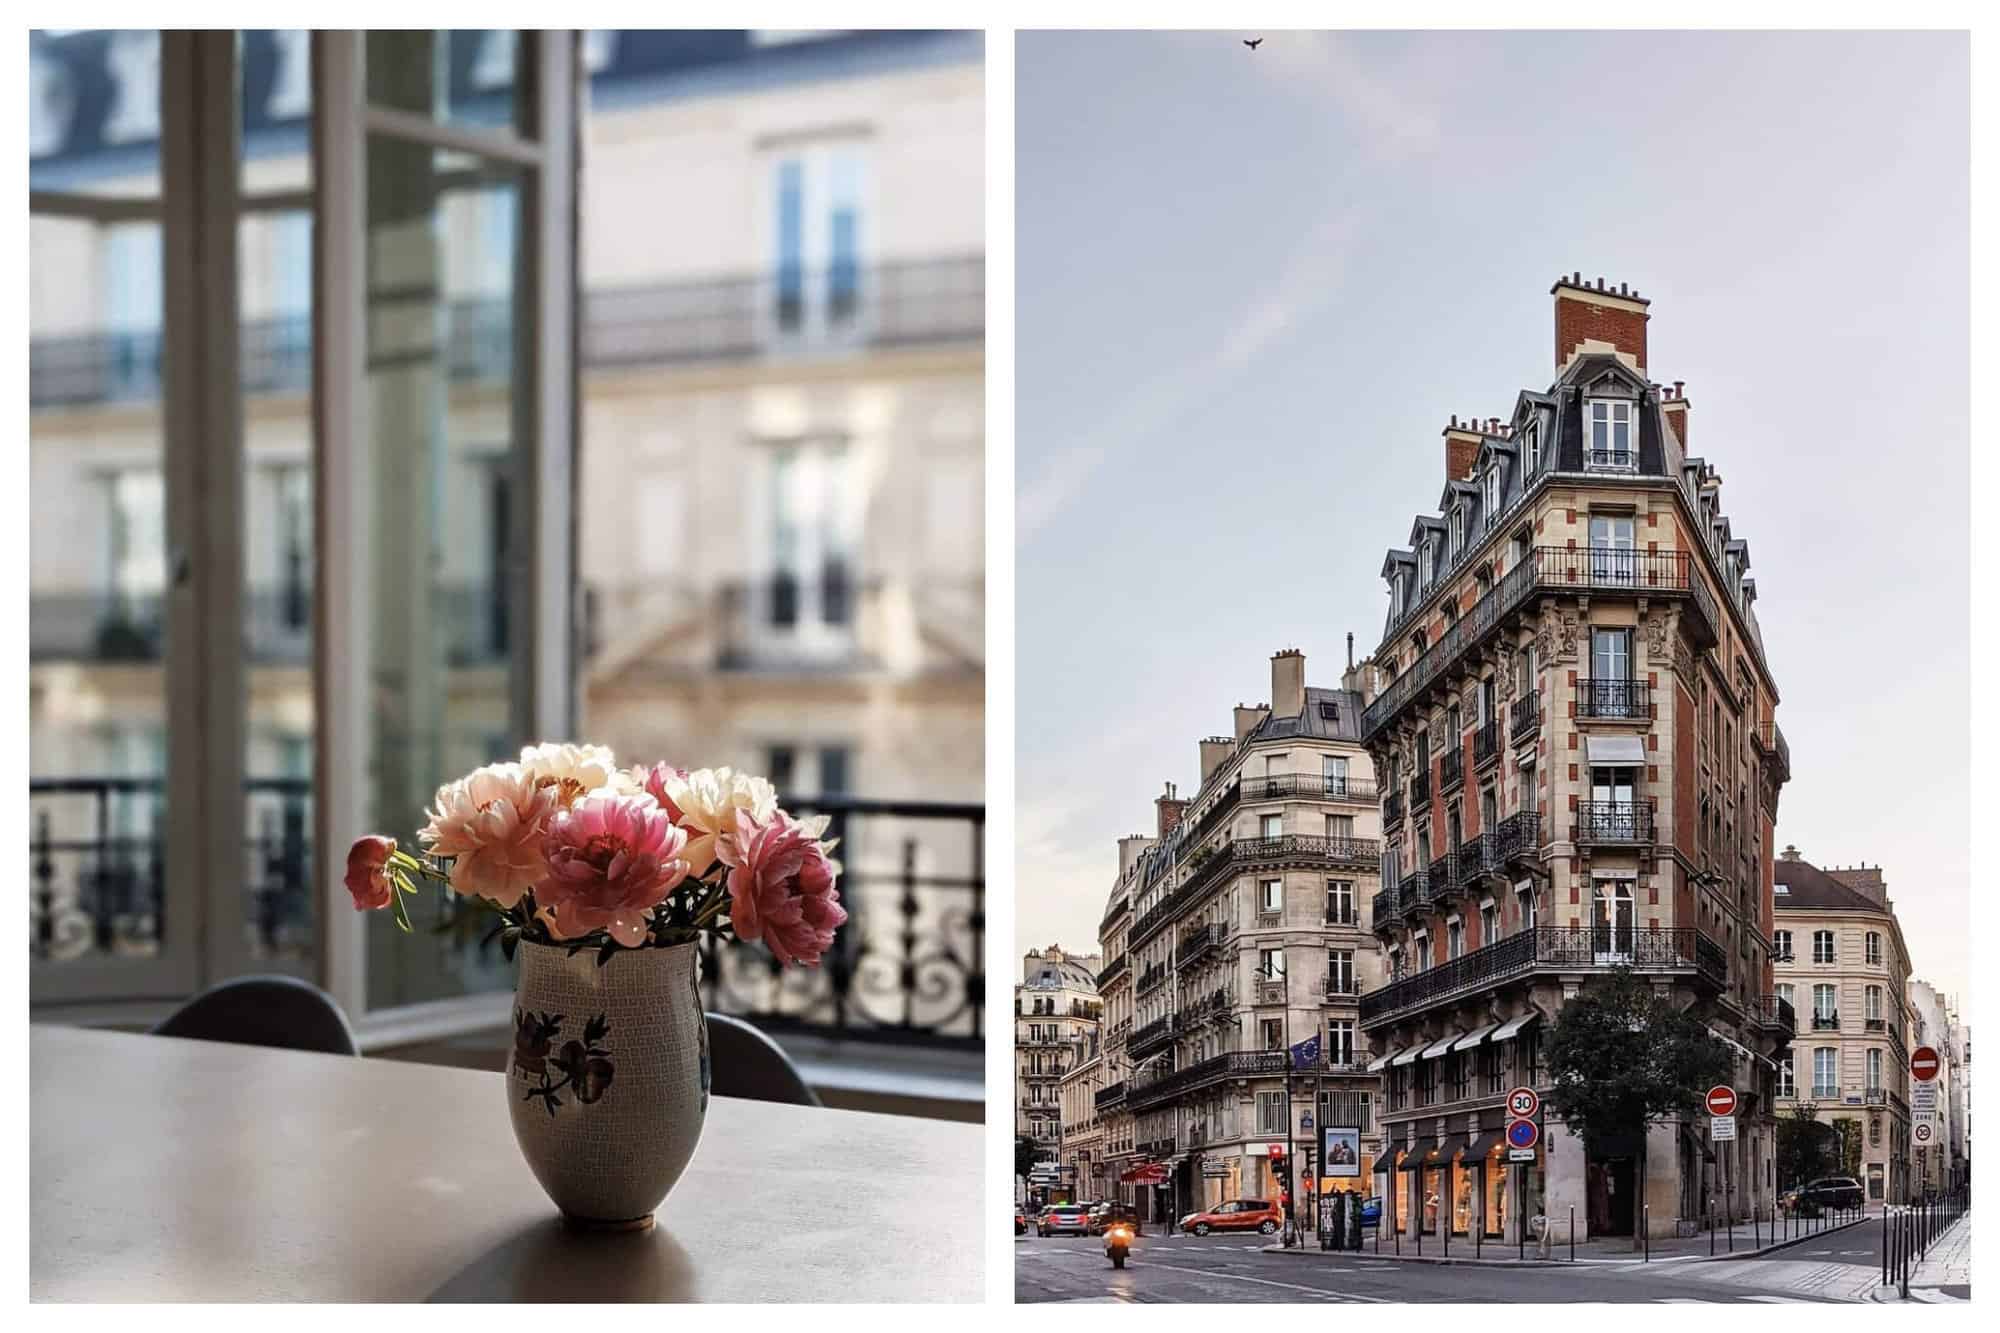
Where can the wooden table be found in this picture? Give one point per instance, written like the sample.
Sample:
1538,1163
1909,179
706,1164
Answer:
163,1169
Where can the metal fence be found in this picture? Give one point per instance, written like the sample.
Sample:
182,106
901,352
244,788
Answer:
1909,1231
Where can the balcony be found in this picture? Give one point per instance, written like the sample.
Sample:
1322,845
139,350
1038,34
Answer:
1216,1069
1200,943
1547,569
1212,1007
1110,1095
1526,715
1519,838
1600,698
1114,969
1209,871
1443,875
1477,857
1874,1025
749,317
1420,793
1451,769
1675,949
1154,1036
1826,1022
1771,741
1150,980
1382,908
1486,742
1415,893
1614,822
1773,1013
1307,787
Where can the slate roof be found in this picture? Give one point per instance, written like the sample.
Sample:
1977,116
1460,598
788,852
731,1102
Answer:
1812,889
1313,723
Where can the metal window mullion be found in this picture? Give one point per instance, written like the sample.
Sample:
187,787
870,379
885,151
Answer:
203,456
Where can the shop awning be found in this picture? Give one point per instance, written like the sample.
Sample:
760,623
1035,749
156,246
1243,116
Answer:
1512,1027
1375,1065
1420,1152
1621,750
1448,1147
1440,1046
1386,1162
1408,1057
1474,1037
1483,1146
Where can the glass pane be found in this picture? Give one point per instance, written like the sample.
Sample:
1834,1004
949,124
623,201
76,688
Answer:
465,76
97,565
274,282
443,399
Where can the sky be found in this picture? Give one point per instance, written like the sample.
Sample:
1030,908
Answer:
1253,286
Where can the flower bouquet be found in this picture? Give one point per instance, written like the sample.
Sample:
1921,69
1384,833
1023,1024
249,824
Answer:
604,879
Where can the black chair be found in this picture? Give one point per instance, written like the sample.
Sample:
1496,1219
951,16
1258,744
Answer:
743,1062
264,1011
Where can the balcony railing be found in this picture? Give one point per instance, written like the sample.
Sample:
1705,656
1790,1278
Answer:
1486,741
1874,1025
1874,1096
1614,821
1152,1037
1307,786
1477,856
1166,1085
1774,1014
1825,1092
1420,793
1824,1022
1114,969
1200,943
1771,741
1212,870
1382,907
1546,569
1340,988
1526,714
1415,892
747,317
1554,949
1111,1095
1392,809
1151,980
1451,768
1443,874
1599,697
1519,837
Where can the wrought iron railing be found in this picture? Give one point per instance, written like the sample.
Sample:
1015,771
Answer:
1486,741
1114,969
1414,892
1199,943
1165,1085
753,316
1420,793
1111,1095
1545,569
1478,856
1209,870
1600,697
1526,714
1443,873
1773,1013
1614,821
1151,1036
1550,948
1382,907
1306,786
1826,1022
1451,768
1874,1096
1392,808
1519,836
1151,979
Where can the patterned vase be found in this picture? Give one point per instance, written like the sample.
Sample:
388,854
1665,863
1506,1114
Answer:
607,1084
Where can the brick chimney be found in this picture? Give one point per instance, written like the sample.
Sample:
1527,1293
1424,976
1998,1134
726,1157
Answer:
1288,683
1461,449
1170,808
1674,403
1602,318
1215,752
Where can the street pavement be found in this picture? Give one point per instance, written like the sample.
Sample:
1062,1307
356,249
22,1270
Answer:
1840,1268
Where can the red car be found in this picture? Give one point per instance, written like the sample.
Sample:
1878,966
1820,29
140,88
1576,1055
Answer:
1236,1215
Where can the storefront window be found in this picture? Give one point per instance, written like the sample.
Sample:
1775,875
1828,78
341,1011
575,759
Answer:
1433,1183
1461,1198
1496,1180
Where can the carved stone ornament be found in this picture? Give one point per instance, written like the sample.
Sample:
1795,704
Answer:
1566,639
1656,637
1505,671
1683,660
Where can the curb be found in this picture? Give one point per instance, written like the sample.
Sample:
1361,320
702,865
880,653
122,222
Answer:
1304,1251
1331,1256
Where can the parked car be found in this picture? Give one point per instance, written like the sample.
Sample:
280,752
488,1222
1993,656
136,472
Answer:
1105,1215
1020,1222
1236,1215
1371,1212
1835,1192
1066,1219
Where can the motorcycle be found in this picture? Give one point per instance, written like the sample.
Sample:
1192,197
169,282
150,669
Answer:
1118,1243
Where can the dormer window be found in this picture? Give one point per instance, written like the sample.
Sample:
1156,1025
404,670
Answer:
1457,530
1533,444
1427,565
1609,425
1493,490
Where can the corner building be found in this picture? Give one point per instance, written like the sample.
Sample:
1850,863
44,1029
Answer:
1574,727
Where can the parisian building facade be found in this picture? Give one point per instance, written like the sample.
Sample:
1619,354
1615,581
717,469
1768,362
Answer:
1574,727
1943,1163
1234,934
1056,1019
1841,962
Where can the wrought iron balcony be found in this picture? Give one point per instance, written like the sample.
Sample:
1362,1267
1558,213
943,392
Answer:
1546,569
1599,697
1416,892
1771,740
1526,714
1212,869
1443,874
1392,809
1114,969
1451,768
1672,949
1154,1036
1420,793
1519,838
1199,943
1307,786
1874,1096
1477,857
1826,1022
1112,1094
1774,1014
1166,1086
1486,741
1151,980
1382,908
1614,821
1874,1025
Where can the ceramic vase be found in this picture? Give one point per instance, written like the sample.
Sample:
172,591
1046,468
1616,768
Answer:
607,1082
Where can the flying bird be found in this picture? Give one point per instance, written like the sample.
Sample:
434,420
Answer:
1253,42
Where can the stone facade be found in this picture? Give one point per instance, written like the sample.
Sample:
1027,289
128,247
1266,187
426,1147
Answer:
1056,1019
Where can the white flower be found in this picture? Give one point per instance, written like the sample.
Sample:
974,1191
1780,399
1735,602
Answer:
573,770
492,822
707,801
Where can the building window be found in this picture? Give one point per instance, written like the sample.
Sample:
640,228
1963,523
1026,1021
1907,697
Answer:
1788,1076
1613,551
1826,1079
1273,899
1781,944
1271,964
1610,424
1533,441
1874,1070
1823,946
1492,492
1273,1030
1340,902
1340,826
1489,924
1872,1009
1340,1040
1272,826
1454,936
1524,896
1825,1015
1457,531
1271,1113
1333,767
1874,949
1340,971
1785,992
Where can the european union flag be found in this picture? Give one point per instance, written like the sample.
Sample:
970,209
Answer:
1305,1055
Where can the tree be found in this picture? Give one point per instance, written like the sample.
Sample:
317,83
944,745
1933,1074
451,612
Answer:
1026,1153
1805,1146
1622,1055
1850,1145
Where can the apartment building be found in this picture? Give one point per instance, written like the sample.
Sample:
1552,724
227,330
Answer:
1244,924
1840,960
1580,765
1084,1166
1056,1019
1943,1162
1123,1170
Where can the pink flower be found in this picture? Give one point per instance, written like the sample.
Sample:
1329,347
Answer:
492,824
781,886
655,780
612,859
368,872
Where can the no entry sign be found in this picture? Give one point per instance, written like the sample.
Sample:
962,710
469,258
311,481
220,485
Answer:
1722,1100
1522,1103
1923,1064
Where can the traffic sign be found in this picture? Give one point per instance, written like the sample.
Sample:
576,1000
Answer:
1522,1134
1722,1129
1522,1103
1921,1133
1722,1100
1923,1064
1520,1154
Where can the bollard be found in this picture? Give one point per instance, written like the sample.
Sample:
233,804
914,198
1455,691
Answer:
1885,1244
1646,1221
1572,1234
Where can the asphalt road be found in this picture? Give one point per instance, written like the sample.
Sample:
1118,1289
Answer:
1234,1269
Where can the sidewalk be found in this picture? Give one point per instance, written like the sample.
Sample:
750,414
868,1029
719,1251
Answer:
1945,1274
1613,1250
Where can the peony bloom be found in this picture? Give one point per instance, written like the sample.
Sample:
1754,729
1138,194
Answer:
492,824
653,781
612,860
781,886
573,771
368,872
709,800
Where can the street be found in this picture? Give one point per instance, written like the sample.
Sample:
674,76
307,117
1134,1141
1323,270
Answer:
1839,1268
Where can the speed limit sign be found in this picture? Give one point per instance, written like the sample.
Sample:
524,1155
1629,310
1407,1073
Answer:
1522,1103
1922,1133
